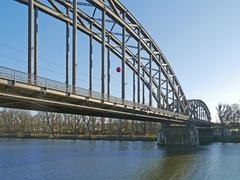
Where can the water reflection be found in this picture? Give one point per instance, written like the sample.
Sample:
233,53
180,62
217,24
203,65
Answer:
72,159
174,163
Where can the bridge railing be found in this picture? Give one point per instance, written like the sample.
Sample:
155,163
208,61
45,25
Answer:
22,77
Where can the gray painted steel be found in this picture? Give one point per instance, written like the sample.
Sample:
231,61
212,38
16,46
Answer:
147,62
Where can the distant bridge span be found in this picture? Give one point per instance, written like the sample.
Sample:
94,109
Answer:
119,34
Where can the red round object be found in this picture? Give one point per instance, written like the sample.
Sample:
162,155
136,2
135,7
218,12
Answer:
118,69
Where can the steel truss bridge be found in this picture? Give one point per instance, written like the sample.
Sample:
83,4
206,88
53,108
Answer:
120,34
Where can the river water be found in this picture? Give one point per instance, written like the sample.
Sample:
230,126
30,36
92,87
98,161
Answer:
23,159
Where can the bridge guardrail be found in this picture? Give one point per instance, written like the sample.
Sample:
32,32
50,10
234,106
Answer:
22,77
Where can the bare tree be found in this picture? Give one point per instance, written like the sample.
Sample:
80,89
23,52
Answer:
119,128
224,114
235,117
9,121
25,121
19,121
87,123
102,128
74,121
36,124
50,119
110,126
59,123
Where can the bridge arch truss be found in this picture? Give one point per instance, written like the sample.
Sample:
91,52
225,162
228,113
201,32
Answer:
198,111
119,33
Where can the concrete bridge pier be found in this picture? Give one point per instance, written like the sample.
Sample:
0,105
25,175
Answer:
178,135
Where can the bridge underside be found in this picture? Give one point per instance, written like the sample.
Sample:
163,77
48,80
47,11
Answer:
29,97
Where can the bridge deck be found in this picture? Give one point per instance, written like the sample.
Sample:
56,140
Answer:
48,95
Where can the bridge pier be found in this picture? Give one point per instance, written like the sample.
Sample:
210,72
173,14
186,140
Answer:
206,134
178,135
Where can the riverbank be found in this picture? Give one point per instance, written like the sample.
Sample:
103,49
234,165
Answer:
226,139
223,139
95,137
231,139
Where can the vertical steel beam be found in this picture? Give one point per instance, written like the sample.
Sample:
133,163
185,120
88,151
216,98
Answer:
139,66
178,101
108,68
134,83
198,112
150,78
123,57
173,96
30,39
74,46
143,90
103,51
167,92
35,45
67,52
164,99
90,59
159,88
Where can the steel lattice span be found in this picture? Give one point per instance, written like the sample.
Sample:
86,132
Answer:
119,33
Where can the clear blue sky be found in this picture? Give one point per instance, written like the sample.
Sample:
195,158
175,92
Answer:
200,39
